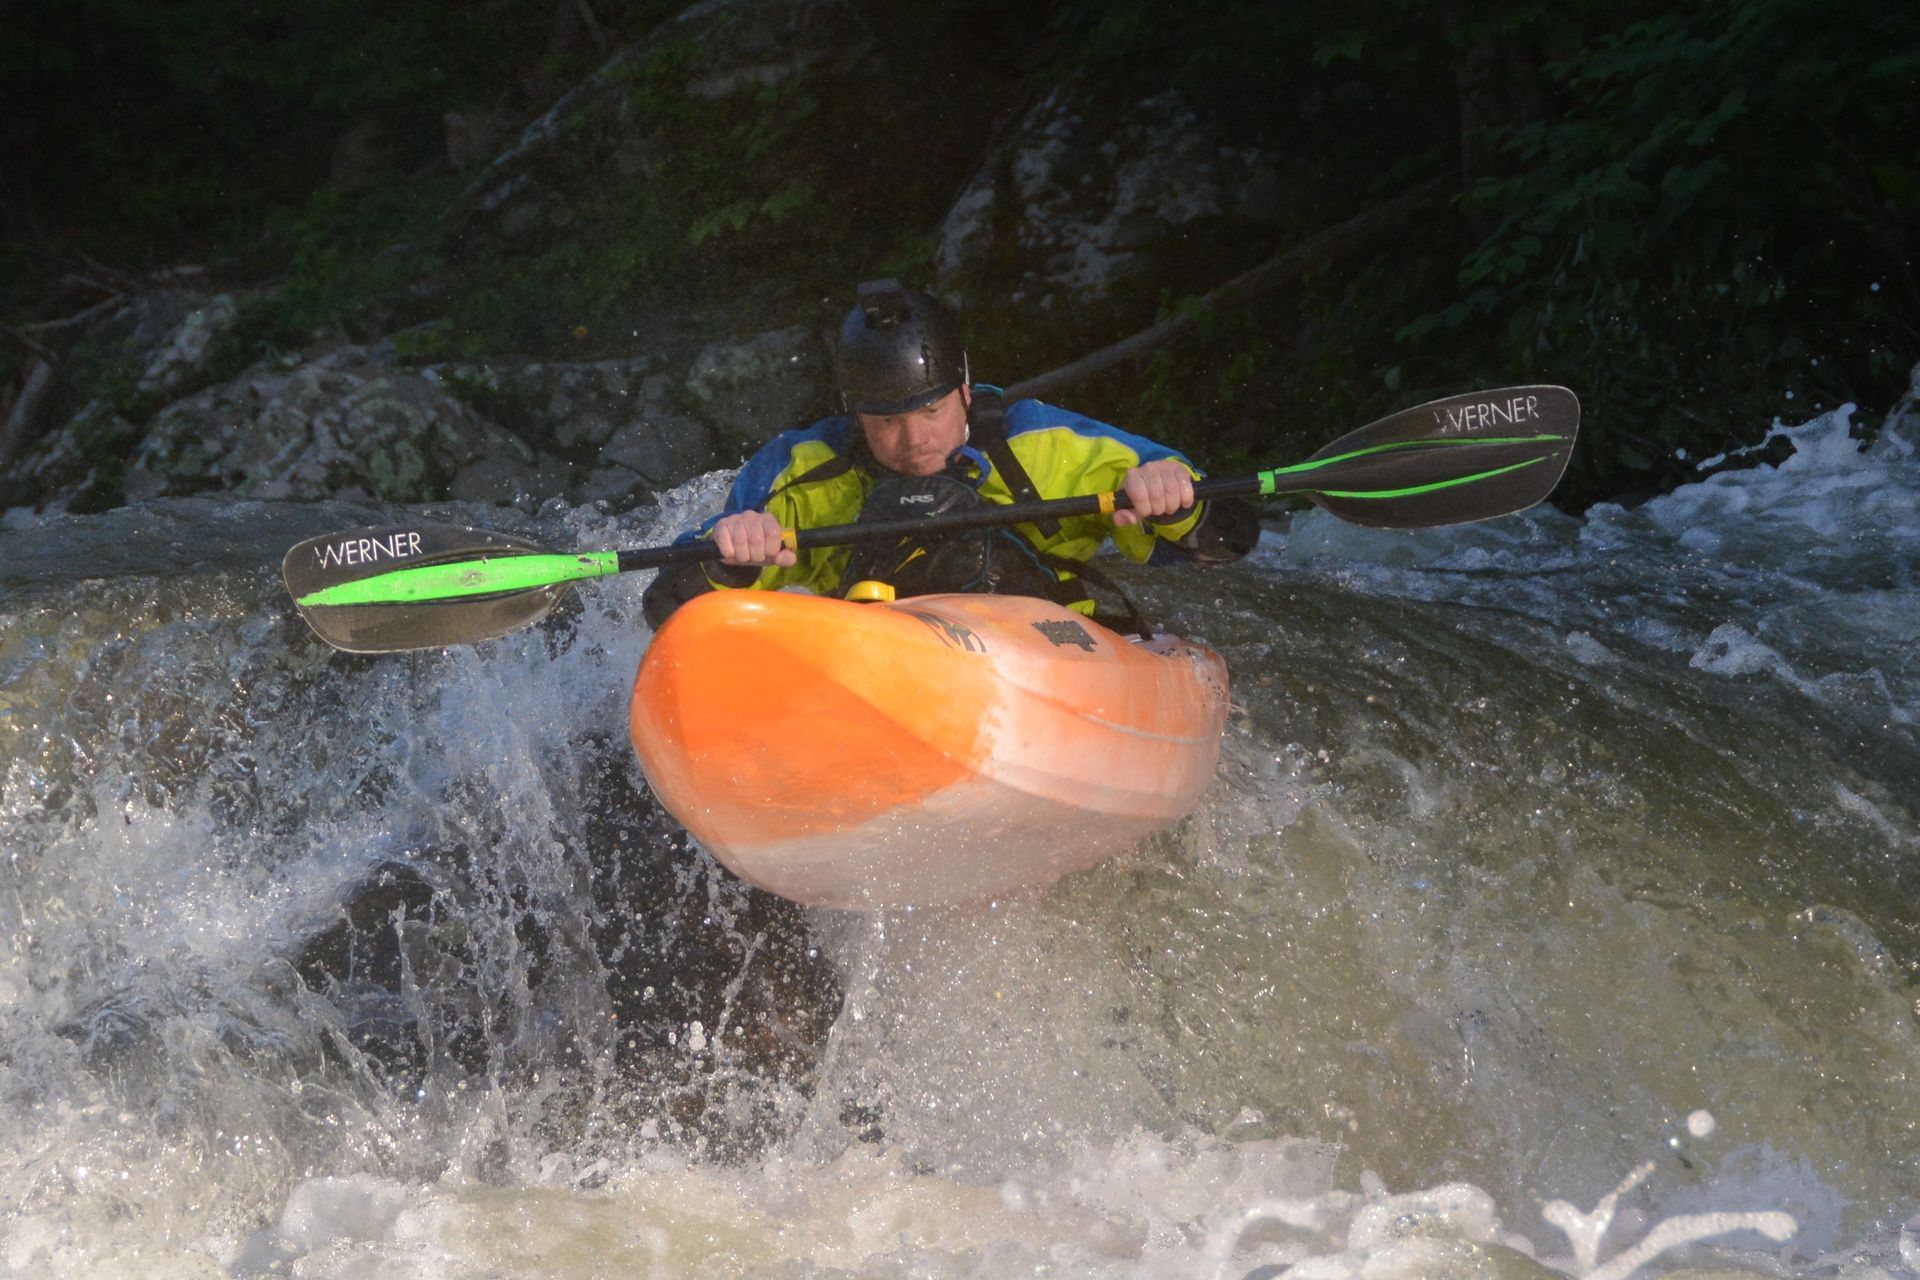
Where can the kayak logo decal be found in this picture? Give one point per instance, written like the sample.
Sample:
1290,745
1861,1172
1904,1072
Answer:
395,546
951,633
1483,415
1066,633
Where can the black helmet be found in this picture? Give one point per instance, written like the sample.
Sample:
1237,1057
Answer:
899,349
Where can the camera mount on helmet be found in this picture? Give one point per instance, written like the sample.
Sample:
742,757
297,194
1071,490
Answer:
899,349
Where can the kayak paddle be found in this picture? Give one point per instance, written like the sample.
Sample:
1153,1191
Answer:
424,586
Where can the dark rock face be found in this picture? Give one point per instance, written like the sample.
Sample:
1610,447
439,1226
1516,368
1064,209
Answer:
616,431
602,128
1077,199
750,390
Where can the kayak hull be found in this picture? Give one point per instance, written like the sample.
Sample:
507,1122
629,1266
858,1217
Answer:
940,749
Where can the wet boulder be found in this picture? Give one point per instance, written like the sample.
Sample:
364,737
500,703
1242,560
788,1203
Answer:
75,469
617,431
139,351
629,952
342,425
720,997
751,390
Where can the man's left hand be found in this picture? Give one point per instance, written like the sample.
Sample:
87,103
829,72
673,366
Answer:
1155,489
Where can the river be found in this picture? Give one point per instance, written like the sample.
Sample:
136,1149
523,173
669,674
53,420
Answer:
1555,911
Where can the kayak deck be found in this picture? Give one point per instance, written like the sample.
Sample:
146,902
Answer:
943,748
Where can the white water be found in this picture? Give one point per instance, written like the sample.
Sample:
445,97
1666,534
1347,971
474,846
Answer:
1553,912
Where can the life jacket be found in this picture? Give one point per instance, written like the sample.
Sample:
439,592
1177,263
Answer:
974,560
990,559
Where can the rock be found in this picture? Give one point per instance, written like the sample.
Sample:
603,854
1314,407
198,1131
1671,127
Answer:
148,348
159,341
660,444
340,426
614,487
630,429
568,406
510,480
750,44
360,157
752,390
619,430
181,357
75,468
475,136
1076,202
346,424
602,129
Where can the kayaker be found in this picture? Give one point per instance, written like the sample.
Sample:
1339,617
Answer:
918,436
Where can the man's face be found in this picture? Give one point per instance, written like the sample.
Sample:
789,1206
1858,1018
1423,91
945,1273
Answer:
918,443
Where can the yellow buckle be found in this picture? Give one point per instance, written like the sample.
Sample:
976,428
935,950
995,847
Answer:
868,591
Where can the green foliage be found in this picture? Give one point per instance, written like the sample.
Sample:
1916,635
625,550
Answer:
1714,201
724,160
726,185
340,257
1349,70
735,217
201,116
1192,392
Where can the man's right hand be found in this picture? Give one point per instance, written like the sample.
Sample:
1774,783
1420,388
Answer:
752,538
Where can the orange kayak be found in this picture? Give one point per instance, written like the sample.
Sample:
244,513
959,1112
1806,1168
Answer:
939,749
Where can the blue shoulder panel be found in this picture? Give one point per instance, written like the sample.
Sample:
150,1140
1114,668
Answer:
1033,415
765,470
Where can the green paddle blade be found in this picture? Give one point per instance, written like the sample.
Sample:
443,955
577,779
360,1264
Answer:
1452,461
322,574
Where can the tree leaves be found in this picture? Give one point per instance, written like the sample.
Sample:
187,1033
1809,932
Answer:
1698,204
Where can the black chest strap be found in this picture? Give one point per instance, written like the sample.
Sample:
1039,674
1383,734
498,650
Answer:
987,432
855,458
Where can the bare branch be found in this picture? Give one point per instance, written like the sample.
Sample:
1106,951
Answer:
39,349
78,318
594,30
1335,241
17,431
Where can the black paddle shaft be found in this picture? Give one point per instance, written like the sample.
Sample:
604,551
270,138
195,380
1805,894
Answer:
997,514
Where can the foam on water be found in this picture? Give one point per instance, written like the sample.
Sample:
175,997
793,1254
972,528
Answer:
1146,1208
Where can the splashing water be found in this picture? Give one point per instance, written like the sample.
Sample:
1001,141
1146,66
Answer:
1541,852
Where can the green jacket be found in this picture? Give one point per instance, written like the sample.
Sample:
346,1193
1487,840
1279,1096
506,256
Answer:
1064,453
